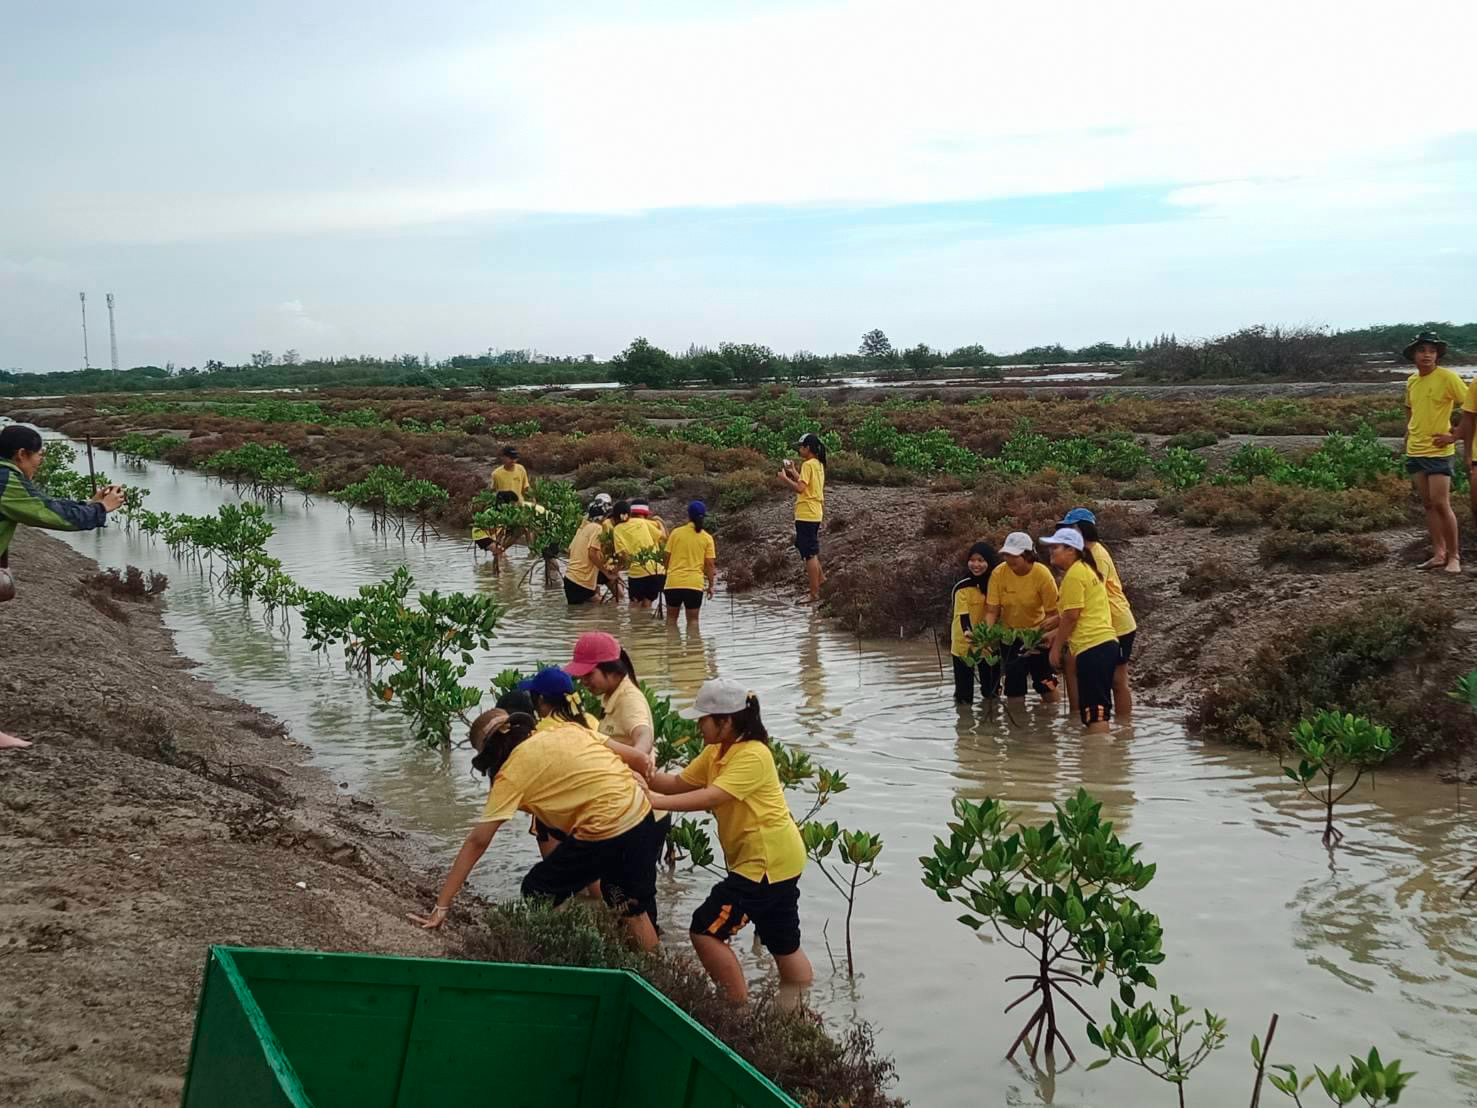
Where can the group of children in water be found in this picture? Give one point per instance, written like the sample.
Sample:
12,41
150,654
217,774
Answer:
1086,622
600,807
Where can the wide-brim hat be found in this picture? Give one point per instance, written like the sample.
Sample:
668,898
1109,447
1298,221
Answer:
1424,337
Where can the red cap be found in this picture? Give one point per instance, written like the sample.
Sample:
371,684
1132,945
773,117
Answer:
590,649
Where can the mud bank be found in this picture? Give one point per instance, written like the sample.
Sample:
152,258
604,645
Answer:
152,818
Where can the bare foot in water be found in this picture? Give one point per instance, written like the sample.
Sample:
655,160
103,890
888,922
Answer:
10,742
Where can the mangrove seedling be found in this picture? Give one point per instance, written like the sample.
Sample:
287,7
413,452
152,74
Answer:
1160,1041
690,840
1465,692
1375,1082
1329,744
1058,891
857,851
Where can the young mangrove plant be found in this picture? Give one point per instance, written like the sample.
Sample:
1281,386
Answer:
1465,692
1330,744
1369,1079
857,852
1159,1041
546,522
1059,891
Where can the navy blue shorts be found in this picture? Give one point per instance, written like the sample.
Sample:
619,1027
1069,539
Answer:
774,909
1431,467
808,538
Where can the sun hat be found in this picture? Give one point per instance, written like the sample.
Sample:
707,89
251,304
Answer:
640,508
1078,515
1428,337
697,508
1017,542
590,649
1065,536
548,683
719,697
603,498
595,510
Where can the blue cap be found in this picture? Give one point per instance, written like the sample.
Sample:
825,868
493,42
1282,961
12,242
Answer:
1079,515
697,508
550,683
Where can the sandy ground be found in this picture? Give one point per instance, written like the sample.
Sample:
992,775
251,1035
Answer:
152,818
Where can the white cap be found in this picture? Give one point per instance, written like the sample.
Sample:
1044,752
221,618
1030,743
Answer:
1017,542
602,497
1065,536
719,697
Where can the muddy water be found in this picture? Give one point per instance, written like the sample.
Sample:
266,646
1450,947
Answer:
1370,947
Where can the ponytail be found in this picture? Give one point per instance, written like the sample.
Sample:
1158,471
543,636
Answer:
566,708
1086,555
621,667
747,724
819,450
498,745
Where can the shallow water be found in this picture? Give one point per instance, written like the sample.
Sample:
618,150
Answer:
1371,947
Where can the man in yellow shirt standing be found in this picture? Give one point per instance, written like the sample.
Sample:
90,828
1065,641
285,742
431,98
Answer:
510,476
1431,392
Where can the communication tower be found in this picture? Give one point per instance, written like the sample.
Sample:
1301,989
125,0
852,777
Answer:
86,364
112,333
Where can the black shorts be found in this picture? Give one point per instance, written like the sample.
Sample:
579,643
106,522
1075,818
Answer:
1125,647
544,833
774,910
625,866
808,538
692,599
576,593
1095,681
646,588
1431,467
1033,667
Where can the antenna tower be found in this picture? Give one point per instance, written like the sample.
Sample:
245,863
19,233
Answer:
86,364
112,333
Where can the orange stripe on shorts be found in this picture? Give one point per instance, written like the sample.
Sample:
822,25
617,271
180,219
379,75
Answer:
721,920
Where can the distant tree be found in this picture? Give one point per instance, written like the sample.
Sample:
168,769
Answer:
292,357
876,346
805,366
641,363
751,362
972,355
262,359
214,365
922,357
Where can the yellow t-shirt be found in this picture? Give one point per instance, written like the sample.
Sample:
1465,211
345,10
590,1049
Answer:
687,550
632,536
581,570
591,725
808,504
568,781
1024,599
1430,400
1470,404
755,828
513,480
1123,621
625,710
1082,589
969,600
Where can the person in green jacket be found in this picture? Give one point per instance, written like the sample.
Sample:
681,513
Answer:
21,450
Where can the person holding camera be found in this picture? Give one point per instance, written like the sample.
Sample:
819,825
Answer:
809,483
21,454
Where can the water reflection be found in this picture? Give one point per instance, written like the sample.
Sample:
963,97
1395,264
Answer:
1377,951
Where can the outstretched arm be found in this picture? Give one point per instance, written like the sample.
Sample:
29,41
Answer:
703,799
478,840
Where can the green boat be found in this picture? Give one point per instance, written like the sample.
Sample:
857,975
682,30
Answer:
298,1028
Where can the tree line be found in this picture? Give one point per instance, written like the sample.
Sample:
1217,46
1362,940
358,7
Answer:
1258,352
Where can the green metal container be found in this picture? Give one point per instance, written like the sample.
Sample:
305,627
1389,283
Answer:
295,1028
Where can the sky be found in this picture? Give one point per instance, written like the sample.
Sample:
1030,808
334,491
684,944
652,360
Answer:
450,177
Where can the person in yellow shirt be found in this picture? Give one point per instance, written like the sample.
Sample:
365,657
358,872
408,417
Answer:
631,537
1022,595
1124,625
641,509
809,483
692,565
580,787
510,476
735,779
1085,623
1431,392
586,558
1465,433
968,612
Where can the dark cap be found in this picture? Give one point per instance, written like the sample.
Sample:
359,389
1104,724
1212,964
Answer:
1428,338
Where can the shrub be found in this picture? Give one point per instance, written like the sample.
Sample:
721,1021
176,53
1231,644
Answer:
1374,659
792,1049
131,583
1384,504
1312,551
1207,578
889,595
739,490
1192,440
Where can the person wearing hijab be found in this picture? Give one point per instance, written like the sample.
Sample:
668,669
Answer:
967,612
